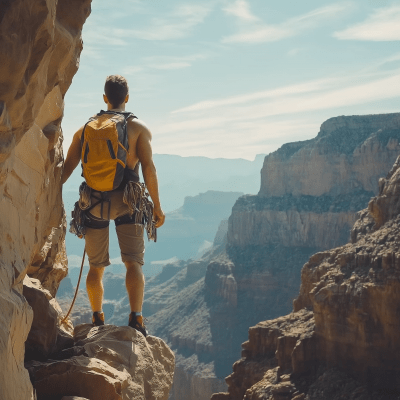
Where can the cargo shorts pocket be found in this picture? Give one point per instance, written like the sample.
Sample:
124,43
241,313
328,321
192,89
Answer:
131,242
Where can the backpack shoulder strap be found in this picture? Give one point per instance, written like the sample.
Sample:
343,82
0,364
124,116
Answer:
128,115
84,127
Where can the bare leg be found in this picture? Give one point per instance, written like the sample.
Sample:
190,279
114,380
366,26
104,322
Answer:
94,287
134,285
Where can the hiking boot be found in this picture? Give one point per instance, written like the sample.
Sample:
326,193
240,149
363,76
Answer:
136,322
98,318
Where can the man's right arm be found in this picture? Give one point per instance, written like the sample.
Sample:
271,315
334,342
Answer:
73,156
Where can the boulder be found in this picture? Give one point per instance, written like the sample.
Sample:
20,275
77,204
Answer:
43,334
109,363
47,335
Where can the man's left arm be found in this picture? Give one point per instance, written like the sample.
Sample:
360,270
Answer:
73,156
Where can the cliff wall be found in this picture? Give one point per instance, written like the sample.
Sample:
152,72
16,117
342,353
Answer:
270,237
341,341
40,44
309,197
349,152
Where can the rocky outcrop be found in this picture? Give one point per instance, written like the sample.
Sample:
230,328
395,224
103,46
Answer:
40,44
107,362
342,339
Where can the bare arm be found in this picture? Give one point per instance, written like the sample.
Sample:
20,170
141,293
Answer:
145,155
73,156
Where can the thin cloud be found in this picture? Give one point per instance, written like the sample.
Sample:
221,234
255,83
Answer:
170,66
304,87
291,27
241,10
227,114
172,62
176,25
165,63
229,141
380,89
132,70
294,52
255,124
382,25
383,65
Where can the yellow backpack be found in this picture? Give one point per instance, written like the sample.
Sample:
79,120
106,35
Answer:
104,150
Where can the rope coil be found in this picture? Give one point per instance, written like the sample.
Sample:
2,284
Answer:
136,198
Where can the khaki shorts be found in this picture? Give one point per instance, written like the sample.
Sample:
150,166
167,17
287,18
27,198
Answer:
130,235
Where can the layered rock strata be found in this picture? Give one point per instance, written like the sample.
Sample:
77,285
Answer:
308,202
342,339
349,152
40,44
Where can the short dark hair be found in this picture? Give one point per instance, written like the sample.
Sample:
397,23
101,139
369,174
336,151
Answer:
116,89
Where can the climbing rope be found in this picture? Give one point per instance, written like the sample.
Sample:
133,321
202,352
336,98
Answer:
77,287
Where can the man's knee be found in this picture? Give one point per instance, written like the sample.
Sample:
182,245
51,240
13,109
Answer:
95,274
133,267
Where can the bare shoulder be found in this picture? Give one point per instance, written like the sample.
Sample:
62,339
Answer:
78,135
138,127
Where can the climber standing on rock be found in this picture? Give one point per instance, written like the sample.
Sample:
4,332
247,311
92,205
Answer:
110,147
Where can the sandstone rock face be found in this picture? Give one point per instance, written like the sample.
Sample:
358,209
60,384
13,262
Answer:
107,362
341,341
354,292
40,43
363,144
309,196
290,228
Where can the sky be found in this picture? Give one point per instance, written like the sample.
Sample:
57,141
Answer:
236,78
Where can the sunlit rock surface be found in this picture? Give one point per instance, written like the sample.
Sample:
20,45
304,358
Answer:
107,362
40,44
312,168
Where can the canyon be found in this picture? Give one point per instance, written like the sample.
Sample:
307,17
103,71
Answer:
255,272
341,339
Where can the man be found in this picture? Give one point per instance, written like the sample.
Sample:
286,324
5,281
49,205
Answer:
130,234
